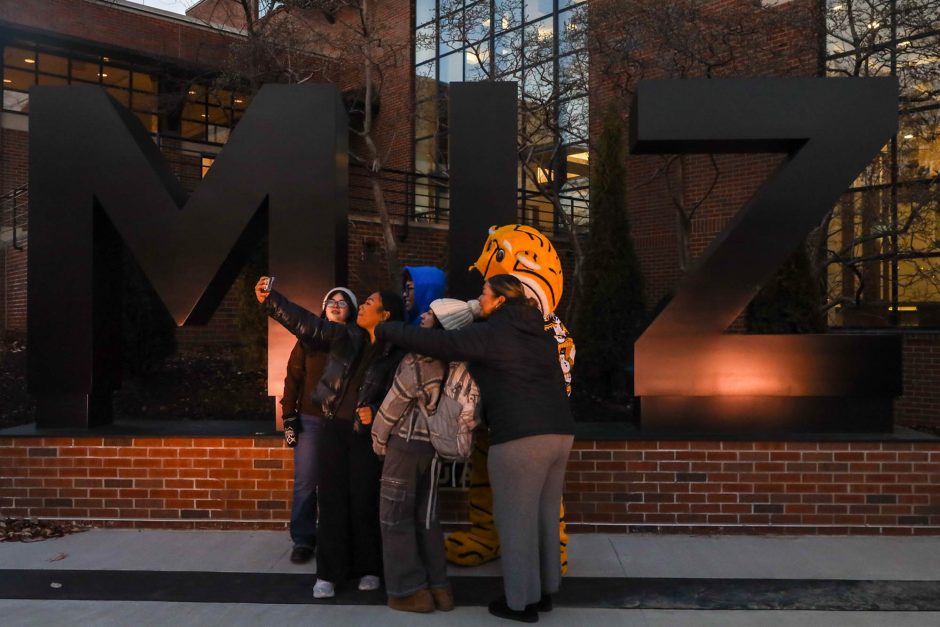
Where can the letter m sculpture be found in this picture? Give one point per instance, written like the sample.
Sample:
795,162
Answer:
97,180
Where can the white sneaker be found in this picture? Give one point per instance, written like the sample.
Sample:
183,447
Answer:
323,589
369,582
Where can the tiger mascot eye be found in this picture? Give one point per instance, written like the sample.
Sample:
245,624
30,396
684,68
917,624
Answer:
525,253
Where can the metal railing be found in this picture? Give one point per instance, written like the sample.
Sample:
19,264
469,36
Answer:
14,216
409,196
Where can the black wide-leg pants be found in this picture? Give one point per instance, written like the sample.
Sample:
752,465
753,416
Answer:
349,540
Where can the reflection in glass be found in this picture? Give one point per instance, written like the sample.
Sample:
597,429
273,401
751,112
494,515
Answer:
451,68
424,11
15,101
883,237
571,34
425,43
534,9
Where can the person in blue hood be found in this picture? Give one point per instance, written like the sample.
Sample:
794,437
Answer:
420,285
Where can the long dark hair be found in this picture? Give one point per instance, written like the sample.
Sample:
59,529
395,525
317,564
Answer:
511,288
393,304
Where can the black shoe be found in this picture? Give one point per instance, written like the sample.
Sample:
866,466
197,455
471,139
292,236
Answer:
499,608
301,554
542,605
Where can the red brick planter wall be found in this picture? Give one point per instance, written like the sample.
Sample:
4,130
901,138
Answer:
754,487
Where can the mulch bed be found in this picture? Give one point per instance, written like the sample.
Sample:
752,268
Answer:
31,530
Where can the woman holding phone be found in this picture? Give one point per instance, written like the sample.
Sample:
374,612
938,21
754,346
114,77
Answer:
357,375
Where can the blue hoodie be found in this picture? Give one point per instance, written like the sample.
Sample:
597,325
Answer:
429,286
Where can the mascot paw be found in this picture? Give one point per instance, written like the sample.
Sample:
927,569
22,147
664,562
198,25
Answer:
464,549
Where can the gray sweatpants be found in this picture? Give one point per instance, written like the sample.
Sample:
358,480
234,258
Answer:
528,477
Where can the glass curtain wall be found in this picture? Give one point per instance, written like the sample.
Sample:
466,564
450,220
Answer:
883,252
535,43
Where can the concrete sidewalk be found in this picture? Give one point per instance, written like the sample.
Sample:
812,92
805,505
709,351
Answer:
158,577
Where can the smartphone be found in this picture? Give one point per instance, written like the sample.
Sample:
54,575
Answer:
269,285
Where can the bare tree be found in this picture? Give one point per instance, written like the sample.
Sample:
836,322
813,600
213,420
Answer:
633,40
884,236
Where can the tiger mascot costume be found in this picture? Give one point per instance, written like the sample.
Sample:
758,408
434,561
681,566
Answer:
525,253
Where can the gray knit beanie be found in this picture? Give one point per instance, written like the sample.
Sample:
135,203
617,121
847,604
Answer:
452,313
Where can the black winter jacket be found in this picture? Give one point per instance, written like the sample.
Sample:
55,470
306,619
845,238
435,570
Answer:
515,363
304,369
344,344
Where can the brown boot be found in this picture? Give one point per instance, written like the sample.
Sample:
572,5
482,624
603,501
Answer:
443,599
420,601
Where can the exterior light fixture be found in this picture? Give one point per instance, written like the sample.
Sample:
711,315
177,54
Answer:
30,61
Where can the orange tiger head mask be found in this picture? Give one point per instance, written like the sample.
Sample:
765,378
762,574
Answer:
525,253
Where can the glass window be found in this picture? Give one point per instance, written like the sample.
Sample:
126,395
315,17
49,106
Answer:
451,68
534,9
52,64
424,11
117,77
18,79
193,130
121,95
15,101
573,75
485,39
508,16
149,121
48,79
573,119
571,33
477,59
539,41
425,43
19,58
85,71
143,102
478,23
539,82
144,82
508,55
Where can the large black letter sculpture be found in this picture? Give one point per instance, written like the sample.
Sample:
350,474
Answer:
96,179
689,374
483,166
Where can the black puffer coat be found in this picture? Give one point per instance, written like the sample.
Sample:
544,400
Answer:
344,343
515,363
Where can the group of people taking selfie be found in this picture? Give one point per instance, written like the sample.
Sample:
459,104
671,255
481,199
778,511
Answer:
366,388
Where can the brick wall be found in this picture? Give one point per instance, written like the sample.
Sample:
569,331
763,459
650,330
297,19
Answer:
762,487
919,405
116,27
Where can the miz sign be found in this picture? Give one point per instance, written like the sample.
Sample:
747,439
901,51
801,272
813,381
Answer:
97,181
